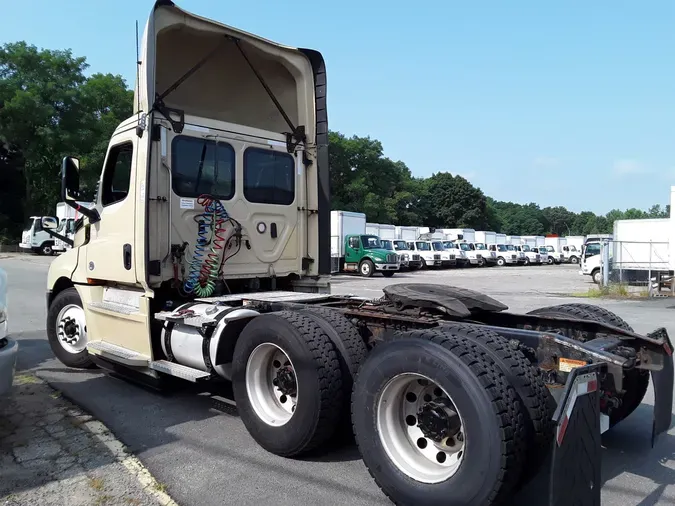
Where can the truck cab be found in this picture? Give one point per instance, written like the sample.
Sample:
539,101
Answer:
460,255
66,229
366,255
487,257
591,261
505,256
531,257
448,258
543,255
409,258
429,257
35,238
554,255
571,254
473,256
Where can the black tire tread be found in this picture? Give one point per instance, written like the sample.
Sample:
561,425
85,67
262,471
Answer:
504,400
330,378
526,379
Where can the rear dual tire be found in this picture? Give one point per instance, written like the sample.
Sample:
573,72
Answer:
464,377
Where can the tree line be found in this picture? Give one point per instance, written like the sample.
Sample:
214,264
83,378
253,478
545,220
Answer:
50,109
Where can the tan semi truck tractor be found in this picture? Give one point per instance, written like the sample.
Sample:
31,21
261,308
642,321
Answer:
207,257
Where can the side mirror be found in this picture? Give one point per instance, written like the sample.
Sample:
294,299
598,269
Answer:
70,188
70,179
49,222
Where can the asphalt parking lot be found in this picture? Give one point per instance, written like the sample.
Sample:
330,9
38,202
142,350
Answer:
194,442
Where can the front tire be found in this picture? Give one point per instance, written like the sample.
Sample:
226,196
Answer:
574,260
550,261
501,262
67,330
366,268
388,274
527,261
405,379
287,382
597,277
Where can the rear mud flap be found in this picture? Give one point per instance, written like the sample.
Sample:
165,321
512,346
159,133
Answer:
663,388
576,460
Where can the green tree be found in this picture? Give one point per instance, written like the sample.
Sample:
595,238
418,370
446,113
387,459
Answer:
454,202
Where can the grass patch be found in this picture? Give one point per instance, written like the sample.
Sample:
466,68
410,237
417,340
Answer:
96,483
160,487
613,291
26,379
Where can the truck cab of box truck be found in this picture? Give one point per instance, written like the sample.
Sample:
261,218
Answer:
35,238
543,254
591,261
448,258
428,256
460,255
367,255
505,256
409,258
531,258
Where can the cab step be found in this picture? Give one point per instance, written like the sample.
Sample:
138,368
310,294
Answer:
178,370
118,353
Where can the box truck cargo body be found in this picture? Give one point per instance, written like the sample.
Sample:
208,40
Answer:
407,233
640,246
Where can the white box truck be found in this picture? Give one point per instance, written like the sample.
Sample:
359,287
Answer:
410,259
554,246
640,247
67,217
486,242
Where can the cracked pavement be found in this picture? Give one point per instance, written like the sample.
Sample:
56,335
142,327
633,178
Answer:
52,453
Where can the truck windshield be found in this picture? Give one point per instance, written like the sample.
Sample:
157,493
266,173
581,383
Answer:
502,247
465,247
438,246
509,247
423,246
387,245
550,249
526,247
371,242
480,245
400,245
29,224
449,245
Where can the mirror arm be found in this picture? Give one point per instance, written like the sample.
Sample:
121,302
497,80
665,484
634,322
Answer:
68,241
92,214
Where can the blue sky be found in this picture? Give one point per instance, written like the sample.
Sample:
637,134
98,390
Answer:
560,103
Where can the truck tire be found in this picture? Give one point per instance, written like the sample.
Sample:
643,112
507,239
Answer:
283,361
597,276
574,260
67,330
550,261
538,406
636,381
46,249
501,262
366,268
393,393
527,261
351,351
388,274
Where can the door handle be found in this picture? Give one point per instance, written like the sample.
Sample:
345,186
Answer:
126,254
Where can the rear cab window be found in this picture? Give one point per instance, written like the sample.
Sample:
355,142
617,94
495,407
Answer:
269,177
202,166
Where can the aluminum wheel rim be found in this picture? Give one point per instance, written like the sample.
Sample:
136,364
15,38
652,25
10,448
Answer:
273,405
72,329
417,456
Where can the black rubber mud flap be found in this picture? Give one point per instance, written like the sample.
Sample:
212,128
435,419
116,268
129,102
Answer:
663,388
576,460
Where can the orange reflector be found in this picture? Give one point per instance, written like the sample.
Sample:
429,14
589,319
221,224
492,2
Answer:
567,364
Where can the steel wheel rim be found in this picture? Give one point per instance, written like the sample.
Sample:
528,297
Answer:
272,402
71,329
365,268
410,450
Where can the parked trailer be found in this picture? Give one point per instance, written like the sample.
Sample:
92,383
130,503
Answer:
451,398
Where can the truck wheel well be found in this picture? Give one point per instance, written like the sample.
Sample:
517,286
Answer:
60,285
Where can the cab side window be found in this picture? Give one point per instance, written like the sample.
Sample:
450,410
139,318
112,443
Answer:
117,174
354,242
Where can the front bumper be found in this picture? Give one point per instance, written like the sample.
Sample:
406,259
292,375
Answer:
25,245
387,267
8,354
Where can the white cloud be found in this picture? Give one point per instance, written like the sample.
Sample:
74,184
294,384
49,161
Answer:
546,162
627,166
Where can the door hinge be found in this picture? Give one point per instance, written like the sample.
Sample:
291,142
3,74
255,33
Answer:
159,199
310,211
